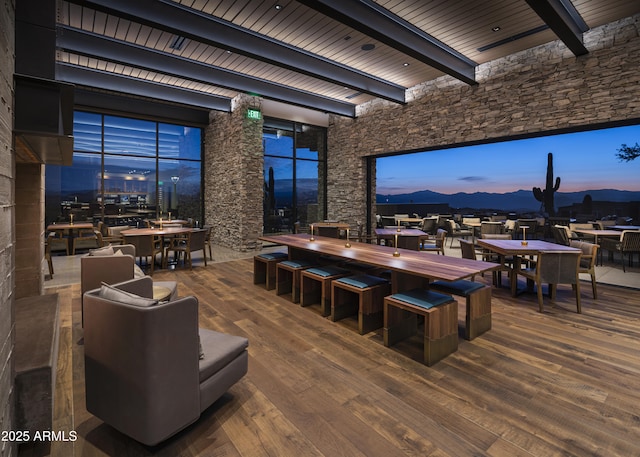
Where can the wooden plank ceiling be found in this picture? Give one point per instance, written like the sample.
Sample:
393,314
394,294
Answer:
291,52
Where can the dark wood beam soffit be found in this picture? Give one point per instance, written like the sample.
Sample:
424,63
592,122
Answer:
562,17
125,84
182,21
379,23
98,46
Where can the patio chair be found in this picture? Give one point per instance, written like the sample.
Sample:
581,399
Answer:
435,244
457,232
629,243
588,261
553,268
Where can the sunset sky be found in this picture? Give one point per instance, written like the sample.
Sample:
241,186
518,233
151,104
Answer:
583,161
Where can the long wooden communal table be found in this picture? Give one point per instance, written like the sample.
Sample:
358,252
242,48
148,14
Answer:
518,249
409,270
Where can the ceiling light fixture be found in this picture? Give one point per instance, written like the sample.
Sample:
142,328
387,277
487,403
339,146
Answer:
406,64
177,43
278,7
496,28
368,47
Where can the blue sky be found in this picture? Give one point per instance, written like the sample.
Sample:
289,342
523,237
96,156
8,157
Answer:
583,161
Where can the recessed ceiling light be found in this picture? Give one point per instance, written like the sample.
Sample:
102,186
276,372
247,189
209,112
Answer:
368,47
406,64
347,38
278,7
496,28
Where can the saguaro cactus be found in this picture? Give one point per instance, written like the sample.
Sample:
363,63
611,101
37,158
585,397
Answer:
546,196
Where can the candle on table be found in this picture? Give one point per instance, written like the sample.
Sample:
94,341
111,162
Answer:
395,252
311,239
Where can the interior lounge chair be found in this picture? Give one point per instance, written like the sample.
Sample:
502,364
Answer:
149,370
115,264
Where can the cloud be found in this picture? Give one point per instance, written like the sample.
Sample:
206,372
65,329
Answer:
472,178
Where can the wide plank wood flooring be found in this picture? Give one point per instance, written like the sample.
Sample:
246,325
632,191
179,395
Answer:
556,383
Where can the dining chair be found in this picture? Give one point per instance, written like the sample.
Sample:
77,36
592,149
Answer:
629,243
436,244
588,261
553,268
506,262
456,231
86,239
207,240
494,228
147,246
188,243
58,241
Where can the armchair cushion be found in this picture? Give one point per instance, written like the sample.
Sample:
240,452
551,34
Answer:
219,350
118,295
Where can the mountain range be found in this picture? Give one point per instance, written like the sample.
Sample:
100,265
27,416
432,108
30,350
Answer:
520,200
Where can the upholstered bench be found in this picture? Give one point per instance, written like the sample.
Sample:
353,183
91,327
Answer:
315,286
368,291
288,277
440,312
264,268
478,301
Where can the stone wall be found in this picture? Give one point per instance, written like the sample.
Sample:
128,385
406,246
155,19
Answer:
538,90
7,218
234,176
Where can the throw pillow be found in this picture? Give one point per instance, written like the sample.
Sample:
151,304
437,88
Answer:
111,293
103,251
137,271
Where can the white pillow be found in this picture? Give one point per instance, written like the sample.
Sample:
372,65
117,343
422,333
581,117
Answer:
111,293
137,271
103,251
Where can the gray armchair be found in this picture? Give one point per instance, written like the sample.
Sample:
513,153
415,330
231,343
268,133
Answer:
145,373
111,269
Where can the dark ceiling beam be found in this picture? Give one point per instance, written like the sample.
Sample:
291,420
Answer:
100,47
99,79
379,23
565,21
182,21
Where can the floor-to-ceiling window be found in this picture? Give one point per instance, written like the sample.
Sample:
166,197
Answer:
295,174
126,170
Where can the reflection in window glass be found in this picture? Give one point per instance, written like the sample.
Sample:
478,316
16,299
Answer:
177,141
129,136
278,195
138,185
179,185
87,132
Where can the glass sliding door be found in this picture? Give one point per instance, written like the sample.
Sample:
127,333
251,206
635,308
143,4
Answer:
294,173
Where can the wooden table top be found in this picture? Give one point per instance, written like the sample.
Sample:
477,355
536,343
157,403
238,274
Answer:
340,225
515,247
172,221
156,231
416,263
69,226
403,232
625,227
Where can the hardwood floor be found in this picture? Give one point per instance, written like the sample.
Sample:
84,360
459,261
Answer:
556,383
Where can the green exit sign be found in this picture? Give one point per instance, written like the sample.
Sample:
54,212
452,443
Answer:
254,114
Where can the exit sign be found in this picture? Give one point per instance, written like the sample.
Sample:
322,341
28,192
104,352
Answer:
254,114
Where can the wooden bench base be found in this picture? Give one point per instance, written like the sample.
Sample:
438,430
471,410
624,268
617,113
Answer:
478,305
315,288
367,303
440,326
264,268
288,278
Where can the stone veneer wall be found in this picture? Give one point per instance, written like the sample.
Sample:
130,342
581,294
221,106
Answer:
29,231
7,234
234,176
541,89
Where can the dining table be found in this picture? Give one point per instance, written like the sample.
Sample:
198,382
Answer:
409,269
69,229
170,222
407,238
520,249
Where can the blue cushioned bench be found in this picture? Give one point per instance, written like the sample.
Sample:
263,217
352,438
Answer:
478,304
288,277
264,268
315,286
440,312
362,294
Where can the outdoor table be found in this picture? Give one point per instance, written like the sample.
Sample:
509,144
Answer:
518,249
406,238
